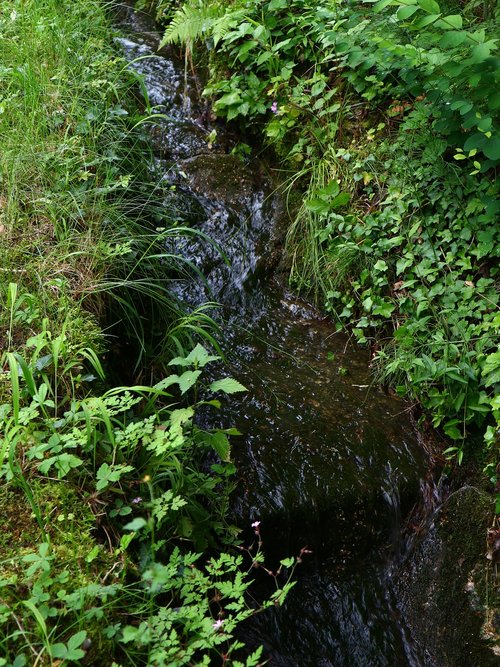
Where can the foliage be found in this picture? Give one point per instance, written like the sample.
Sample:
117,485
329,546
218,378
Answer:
82,239
387,116
110,497
133,455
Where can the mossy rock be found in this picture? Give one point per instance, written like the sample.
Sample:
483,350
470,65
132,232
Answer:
446,587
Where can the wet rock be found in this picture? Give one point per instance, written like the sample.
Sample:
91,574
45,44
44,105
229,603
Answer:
220,177
447,591
179,140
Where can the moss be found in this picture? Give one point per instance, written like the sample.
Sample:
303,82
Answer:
445,585
70,527
220,177
69,524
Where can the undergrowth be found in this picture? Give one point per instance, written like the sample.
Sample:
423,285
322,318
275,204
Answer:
113,499
386,117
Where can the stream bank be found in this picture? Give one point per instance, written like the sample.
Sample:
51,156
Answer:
326,459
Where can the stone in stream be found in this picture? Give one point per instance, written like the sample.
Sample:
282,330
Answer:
448,592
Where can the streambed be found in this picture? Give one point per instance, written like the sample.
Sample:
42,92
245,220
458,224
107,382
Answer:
326,459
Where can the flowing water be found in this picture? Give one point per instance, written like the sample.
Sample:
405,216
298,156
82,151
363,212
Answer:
326,459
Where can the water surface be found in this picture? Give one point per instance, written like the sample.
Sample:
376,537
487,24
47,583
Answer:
326,459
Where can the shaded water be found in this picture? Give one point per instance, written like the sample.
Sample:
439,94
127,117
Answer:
325,460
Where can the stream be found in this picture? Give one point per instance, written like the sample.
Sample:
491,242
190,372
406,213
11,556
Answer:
326,459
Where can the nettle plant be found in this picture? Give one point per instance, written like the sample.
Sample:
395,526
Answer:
116,437
135,454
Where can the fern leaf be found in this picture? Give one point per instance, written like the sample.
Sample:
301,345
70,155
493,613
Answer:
191,22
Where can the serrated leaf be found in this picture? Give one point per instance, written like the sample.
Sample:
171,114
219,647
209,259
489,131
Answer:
59,651
181,416
220,443
77,640
166,382
200,357
228,386
187,380
179,361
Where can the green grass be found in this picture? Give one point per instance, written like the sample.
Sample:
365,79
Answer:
76,200
102,492
61,85
69,248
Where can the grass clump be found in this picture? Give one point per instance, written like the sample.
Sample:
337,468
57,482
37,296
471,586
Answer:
77,222
112,514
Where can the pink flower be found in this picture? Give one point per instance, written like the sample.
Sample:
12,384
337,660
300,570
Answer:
274,107
255,524
218,624
137,500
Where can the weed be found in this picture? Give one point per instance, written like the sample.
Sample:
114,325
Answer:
103,491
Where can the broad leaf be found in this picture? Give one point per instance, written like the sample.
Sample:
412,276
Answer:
187,380
404,13
228,386
220,443
429,6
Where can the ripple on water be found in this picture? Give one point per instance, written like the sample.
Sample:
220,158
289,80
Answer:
326,459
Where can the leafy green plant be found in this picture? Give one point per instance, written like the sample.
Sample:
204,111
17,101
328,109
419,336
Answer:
104,445
386,115
99,486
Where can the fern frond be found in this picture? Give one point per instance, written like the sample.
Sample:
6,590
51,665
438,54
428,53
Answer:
223,24
194,20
